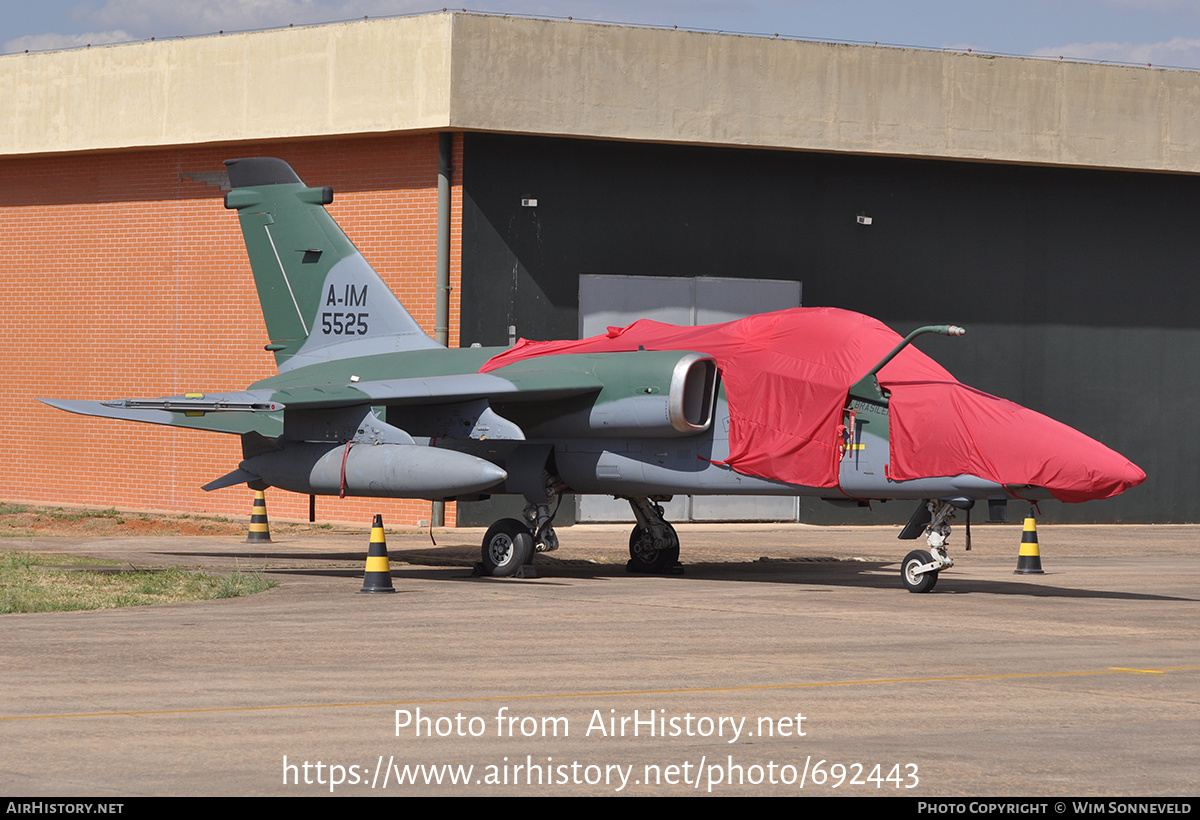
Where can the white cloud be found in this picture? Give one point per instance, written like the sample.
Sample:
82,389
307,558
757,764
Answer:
1181,52
1155,5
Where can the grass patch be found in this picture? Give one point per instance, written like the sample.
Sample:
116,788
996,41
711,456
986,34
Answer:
27,584
24,560
22,520
60,514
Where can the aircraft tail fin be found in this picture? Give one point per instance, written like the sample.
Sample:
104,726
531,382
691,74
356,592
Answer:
320,298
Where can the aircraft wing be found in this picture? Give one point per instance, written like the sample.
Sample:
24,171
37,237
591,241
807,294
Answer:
521,384
261,410
176,412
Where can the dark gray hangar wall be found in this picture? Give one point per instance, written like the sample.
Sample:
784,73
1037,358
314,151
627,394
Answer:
1077,287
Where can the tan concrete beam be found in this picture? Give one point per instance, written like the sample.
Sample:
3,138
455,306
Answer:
537,76
389,75
519,75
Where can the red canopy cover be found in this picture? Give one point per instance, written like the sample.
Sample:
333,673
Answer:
787,375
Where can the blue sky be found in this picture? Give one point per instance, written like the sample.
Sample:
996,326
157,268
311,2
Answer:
1160,32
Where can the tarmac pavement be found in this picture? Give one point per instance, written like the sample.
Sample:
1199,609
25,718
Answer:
785,660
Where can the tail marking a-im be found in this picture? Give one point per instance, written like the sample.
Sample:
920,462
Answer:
320,298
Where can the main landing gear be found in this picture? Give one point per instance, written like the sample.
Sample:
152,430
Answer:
509,545
653,544
919,571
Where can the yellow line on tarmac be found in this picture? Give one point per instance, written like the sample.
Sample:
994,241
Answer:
1112,670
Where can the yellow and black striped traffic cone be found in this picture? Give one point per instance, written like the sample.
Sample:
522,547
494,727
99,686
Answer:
1029,560
378,577
260,528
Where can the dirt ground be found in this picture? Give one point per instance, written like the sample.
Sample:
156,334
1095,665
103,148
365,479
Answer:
18,520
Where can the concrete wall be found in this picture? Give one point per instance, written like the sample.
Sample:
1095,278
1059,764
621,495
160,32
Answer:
347,78
525,76
534,76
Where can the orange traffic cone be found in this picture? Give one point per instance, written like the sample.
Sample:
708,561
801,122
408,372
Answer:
1029,560
378,576
260,528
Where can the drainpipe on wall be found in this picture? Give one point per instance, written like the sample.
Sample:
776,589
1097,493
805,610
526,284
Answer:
441,321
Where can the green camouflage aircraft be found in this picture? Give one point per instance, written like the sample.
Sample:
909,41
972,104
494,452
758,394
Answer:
366,404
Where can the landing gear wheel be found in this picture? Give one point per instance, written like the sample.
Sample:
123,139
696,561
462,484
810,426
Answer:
645,557
913,582
507,547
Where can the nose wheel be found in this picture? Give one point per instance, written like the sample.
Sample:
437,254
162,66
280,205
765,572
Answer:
919,571
920,568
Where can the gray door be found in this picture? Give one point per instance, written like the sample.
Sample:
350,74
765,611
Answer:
615,301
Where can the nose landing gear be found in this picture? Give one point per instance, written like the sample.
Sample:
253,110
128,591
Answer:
920,568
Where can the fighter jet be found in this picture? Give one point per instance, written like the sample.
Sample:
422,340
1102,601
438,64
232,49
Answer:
809,401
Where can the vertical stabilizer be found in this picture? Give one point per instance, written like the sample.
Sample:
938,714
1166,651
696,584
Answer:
320,298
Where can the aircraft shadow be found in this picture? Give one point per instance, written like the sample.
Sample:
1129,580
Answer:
886,575
436,563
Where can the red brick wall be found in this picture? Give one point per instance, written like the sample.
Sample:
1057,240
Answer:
124,279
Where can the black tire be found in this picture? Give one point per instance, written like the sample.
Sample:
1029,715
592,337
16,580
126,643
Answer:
507,547
643,557
917,583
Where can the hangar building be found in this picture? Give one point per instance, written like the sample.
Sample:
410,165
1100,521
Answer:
1048,206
